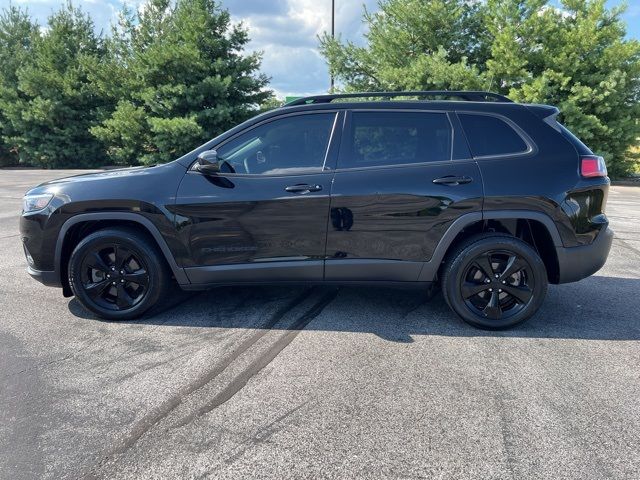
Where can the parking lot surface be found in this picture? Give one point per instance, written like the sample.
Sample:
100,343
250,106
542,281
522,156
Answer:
282,382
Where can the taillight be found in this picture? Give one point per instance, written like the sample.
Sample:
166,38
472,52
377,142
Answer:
592,166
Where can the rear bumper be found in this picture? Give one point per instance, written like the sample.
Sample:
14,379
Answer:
50,279
576,263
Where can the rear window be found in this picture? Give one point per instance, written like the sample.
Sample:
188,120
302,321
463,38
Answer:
488,136
395,138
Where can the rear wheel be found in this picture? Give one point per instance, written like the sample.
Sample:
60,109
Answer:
494,281
117,273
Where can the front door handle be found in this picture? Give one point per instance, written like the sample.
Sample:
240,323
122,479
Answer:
453,180
303,188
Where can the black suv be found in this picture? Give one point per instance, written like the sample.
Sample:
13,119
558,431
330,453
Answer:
491,199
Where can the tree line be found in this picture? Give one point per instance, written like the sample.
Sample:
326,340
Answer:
167,78
174,74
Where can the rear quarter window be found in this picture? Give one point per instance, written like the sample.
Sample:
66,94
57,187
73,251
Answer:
489,136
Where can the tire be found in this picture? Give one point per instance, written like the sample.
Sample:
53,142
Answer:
494,281
118,273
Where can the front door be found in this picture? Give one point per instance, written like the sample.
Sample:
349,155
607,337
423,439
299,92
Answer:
401,181
265,219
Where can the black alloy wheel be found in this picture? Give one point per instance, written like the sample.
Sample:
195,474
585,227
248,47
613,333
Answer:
118,273
114,277
498,284
494,281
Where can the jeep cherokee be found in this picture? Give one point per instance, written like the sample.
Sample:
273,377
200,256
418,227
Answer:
489,198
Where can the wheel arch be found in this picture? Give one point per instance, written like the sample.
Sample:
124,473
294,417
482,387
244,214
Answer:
81,225
541,233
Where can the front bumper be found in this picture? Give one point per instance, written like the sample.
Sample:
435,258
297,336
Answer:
576,263
50,279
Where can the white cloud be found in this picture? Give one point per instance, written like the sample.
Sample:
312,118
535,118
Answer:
288,38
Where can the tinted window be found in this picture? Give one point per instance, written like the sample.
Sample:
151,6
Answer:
491,136
393,138
295,144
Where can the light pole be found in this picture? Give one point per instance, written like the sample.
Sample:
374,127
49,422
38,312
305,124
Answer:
333,33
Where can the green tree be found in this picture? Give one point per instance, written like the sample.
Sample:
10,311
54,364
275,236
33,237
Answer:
50,114
182,79
574,56
16,40
271,103
414,44
577,58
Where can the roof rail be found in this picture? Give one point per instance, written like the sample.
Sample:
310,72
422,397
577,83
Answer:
469,96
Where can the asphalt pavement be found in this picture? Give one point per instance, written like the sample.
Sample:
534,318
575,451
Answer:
294,382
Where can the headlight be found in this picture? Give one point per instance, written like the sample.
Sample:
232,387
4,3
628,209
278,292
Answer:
32,203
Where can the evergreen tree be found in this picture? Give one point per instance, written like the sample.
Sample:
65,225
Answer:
55,104
16,39
182,80
413,45
577,58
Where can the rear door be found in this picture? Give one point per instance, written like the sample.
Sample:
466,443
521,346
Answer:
402,178
265,218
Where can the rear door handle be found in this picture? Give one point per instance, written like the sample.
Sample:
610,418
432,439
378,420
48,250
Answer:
303,188
453,180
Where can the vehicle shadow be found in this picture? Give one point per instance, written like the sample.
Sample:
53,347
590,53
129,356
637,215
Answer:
597,308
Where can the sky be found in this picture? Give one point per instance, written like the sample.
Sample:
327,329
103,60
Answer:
285,31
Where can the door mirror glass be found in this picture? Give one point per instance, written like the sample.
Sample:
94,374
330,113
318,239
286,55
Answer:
208,161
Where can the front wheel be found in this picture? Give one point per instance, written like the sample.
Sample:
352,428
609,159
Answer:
494,281
118,273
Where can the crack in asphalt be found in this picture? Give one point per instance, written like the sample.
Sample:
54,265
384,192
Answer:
161,412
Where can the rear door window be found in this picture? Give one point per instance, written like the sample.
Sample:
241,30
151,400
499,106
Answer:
394,138
490,136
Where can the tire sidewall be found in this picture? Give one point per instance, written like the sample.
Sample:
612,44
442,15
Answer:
136,244
465,256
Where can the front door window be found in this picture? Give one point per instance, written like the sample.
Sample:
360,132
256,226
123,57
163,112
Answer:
287,146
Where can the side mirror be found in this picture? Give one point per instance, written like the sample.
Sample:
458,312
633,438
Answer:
208,162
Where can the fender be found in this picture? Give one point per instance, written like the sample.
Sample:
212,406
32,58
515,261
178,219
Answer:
178,272
430,268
